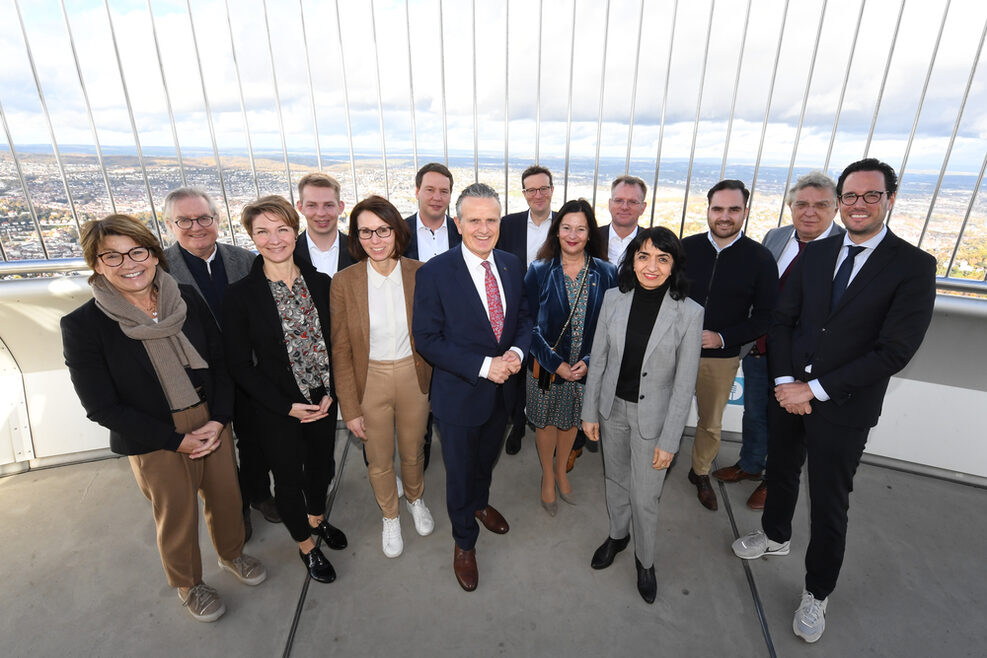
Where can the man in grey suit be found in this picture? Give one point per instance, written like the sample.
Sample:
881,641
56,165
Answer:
197,259
812,200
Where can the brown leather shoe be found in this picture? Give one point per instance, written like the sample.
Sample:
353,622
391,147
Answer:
756,501
706,494
734,474
572,459
464,564
492,520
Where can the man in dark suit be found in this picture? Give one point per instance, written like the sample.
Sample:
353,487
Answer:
812,201
854,311
627,204
471,323
523,233
197,259
321,243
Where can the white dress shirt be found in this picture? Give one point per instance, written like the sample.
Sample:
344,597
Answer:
431,243
326,261
474,264
389,338
791,249
536,237
618,245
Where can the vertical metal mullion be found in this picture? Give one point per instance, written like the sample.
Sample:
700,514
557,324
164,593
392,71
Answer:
209,121
89,110
346,102
637,65
476,128
952,138
736,88
699,106
966,218
884,79
805,101
243,105
20,176
164,85
277,102
51,126
507,102
311,87
664,106
599,119
411,86
568,120
380,102
767,111
133,121
442,76
541,12
921,103
846,79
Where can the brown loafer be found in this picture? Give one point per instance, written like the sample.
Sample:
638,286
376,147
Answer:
705,490
756,501
572,459
492,520
734,474
464,564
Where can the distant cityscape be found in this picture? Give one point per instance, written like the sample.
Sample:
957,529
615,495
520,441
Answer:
20,240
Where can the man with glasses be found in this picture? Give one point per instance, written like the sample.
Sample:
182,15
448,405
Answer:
735,280
812,201
523,233
321,243
853,313
627,204
199,260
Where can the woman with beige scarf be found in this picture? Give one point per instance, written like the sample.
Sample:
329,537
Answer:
146,360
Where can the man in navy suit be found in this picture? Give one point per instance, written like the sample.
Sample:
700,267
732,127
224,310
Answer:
471,323
321,243
523,234
853,313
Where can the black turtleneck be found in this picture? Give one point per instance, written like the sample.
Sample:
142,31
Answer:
640,322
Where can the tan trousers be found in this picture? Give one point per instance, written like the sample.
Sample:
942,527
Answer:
713,384
170,480
394,401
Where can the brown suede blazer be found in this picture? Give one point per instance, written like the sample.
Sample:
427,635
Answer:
350,317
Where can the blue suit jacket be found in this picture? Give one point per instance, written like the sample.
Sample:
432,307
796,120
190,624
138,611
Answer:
453,333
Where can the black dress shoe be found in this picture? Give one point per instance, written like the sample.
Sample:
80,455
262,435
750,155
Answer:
248,527
331,535
646,583
318,566
604,555
513,445
268,509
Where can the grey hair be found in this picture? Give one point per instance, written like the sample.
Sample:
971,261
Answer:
815,179
181,193
475,191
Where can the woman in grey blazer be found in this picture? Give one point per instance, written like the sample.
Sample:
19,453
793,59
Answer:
639,388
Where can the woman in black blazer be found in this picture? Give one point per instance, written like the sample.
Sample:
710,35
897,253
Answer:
276,330
146,360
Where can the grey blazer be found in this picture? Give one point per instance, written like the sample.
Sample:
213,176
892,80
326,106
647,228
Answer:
668,376
236,260
777,238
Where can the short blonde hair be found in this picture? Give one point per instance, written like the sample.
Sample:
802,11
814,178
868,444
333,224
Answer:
274,205
318,179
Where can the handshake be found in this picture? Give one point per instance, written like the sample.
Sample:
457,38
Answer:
502,367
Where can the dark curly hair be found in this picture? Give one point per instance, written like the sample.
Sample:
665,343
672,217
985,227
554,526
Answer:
666,241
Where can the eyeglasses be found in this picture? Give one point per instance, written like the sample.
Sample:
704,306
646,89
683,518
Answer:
820,206
872,197
383,232
532,191
185,223
115,258
630,203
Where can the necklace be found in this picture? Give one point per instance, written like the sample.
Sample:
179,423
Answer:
152,308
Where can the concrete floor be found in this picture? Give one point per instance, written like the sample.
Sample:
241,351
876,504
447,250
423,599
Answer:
81,575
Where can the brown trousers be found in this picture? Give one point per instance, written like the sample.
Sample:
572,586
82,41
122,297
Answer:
392,401
713,384
170,480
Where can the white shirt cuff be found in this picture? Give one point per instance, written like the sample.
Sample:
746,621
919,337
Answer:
485,368
723,343
517,350
818,390
784,380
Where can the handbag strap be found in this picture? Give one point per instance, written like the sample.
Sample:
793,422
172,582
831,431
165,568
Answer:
572,310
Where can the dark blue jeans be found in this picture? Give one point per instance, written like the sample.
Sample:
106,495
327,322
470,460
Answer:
757,392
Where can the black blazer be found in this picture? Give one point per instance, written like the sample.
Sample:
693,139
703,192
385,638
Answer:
872,334
302,255
254,337
118,387
605,240
412,250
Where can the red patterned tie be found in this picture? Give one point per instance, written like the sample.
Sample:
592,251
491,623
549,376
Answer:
494,307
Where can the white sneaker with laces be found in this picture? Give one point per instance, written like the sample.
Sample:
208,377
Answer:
810,618
391,540
756,544
400,485
424,524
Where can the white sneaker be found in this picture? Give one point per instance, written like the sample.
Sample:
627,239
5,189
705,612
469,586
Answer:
400,485
391,540
810,618
755,544
424,524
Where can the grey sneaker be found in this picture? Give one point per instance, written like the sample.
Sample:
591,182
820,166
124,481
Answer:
810,618
248,570
755,544
203,603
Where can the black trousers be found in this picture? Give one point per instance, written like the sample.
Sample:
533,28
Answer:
833,453
301,457
252,471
